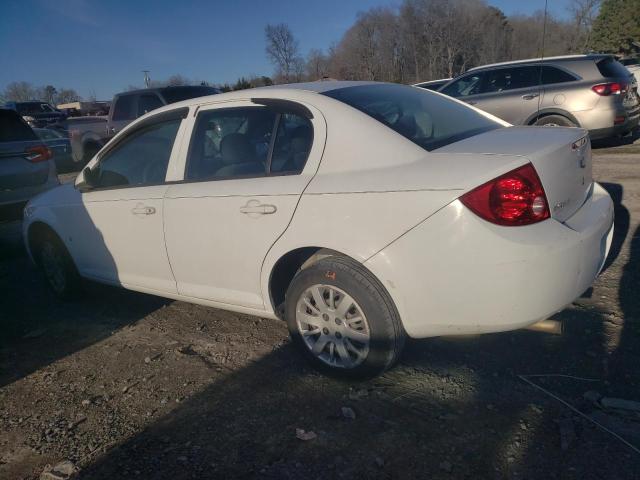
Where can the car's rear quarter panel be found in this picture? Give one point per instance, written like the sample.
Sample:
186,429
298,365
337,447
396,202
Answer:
458,274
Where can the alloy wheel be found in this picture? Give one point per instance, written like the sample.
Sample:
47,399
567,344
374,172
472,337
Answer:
333,326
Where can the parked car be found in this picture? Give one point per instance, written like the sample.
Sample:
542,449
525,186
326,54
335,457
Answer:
26,165
38,114
594,92
359,212
89,134
433,84
59,144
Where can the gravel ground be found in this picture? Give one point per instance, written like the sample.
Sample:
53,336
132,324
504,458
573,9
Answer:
123,385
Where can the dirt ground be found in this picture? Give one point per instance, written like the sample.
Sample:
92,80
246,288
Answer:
126,385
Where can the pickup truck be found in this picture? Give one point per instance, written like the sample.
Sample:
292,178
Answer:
89,134
38,114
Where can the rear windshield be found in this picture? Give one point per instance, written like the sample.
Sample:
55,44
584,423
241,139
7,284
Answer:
610,68
33,108
427,119
13,128
177,94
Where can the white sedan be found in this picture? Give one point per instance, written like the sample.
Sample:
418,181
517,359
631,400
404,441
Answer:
360,212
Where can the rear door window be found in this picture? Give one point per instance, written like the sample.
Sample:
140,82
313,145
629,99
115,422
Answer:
504,79
292,144
551,75
13,128
123,109
230,142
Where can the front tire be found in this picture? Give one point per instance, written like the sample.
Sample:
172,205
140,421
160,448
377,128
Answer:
342,319
57,266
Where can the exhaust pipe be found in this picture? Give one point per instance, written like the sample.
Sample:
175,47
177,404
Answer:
547,326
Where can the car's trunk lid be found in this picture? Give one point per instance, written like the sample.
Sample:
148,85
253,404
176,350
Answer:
561,157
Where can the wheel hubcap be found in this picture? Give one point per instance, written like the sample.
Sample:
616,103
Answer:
333,326
53,266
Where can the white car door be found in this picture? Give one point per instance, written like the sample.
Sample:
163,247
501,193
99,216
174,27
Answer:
117,231
247,165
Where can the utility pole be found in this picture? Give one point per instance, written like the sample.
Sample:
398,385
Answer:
147,80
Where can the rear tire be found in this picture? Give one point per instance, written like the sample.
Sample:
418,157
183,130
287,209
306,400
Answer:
342,319
554,121
57,266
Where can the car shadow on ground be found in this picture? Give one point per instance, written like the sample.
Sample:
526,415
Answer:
617,141
38,328
453,407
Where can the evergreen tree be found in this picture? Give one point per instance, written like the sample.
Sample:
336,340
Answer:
617,26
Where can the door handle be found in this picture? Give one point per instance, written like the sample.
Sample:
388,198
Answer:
143,210
257,208
530,96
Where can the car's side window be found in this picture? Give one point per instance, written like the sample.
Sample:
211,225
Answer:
504,79
468,85
123,109
140,159
552,75
293,142
230,142
148,102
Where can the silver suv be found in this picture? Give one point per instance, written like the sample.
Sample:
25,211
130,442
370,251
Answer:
595,92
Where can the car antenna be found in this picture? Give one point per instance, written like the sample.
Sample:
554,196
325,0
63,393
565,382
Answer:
544,34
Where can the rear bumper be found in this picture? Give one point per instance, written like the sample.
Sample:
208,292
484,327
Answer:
628,126
601,123
457,274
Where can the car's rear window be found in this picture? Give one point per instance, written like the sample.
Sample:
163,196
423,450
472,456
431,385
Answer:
177,94
33,108
610,68
427,119
13,129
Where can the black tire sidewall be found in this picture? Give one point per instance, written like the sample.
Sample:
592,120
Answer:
72,279
387,336
557,119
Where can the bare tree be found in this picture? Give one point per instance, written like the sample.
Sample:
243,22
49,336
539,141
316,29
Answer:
317,65
584,12
19,92
177,80
282,50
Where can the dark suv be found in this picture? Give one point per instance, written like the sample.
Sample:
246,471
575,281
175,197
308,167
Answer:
594,92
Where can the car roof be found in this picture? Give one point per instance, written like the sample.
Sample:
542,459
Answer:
591,56
320,86
270,91
160,89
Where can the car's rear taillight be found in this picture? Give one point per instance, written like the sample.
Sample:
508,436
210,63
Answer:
611,88
513,199
39,153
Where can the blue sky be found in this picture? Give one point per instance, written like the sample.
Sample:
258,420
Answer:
101,47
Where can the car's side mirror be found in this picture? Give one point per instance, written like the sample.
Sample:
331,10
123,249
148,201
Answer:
87,180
